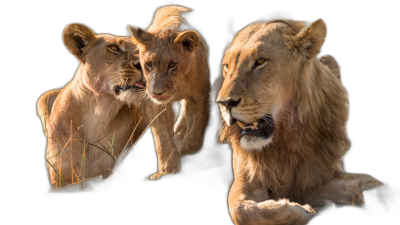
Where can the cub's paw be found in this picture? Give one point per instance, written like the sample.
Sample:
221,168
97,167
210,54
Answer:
155,176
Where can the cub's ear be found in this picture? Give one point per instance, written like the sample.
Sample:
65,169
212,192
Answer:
332,64
189,40
140,36
76,38
309,41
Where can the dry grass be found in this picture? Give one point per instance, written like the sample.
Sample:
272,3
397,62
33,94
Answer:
78,173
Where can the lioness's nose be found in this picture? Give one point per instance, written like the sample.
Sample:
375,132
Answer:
135,64
230,103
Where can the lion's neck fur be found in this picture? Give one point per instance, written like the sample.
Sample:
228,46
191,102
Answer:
98,108
309,138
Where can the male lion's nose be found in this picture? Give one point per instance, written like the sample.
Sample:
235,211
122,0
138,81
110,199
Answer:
230,103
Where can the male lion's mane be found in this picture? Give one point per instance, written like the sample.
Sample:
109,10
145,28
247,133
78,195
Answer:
310,132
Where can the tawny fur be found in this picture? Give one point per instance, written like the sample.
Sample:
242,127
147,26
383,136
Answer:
86,112
187,82
301,167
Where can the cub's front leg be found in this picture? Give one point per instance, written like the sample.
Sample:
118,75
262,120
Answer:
163,134
191,124
250,205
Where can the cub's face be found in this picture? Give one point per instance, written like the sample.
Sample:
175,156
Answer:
258,82
165,58
112,62
163,71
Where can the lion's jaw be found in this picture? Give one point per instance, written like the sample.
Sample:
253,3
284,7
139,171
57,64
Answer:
255,122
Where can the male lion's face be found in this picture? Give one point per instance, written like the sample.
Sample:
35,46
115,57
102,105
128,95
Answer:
257,71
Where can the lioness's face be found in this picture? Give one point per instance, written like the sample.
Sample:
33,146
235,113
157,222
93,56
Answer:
117,66
257,71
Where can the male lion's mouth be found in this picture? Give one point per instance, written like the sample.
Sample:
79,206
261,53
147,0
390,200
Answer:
124,87
264,127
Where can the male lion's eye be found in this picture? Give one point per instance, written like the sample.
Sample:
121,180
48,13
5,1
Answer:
149,64
260,61
171,65
226,67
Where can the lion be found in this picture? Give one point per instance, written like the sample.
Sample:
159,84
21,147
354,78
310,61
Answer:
175,68
284,114
87,127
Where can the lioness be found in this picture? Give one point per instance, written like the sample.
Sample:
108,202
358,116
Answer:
175,68
86,126
285,115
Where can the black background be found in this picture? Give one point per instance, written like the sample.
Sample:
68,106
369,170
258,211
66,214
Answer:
361,37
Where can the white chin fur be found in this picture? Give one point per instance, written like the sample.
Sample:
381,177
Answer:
252,143
158,102
129,98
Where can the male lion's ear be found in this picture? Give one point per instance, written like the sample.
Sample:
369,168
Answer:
76,37
140,36
188,39
332,64
309,41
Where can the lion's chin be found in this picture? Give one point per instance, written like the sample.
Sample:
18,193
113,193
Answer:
258,134
130,97
254,143
161,99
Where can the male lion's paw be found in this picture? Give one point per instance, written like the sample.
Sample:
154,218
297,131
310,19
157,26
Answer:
156,176
309,210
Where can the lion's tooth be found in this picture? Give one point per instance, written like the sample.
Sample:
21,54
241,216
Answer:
255,124
241,124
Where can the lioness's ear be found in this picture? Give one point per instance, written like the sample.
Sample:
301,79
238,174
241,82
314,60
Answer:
309,41
332,64
76,38
140,36
188,39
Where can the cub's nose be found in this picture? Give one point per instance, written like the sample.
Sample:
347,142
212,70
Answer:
230,103
158,92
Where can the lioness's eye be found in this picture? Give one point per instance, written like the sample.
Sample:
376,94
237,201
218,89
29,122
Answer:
148,63
114,48
226,67
171,65
260,61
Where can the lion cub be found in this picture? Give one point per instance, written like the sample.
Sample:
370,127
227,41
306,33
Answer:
175,68
86,126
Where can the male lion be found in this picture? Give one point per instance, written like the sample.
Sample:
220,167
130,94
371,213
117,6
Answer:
285,115
86,126
175,67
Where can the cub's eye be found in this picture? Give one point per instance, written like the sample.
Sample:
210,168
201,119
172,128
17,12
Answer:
149,64
226,67
171,65
260,61
114,48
